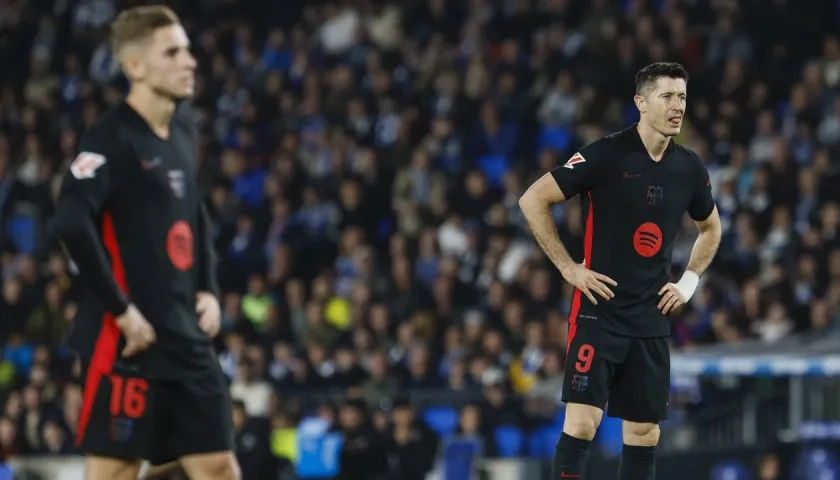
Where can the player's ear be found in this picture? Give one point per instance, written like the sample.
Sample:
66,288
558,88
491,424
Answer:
131,61
641,103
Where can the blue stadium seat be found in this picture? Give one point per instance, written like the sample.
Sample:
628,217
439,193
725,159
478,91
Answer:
557,138
817,462
443,420
510,441
23,231
730,470
494,168
560,417
385,228
319,455
541,443
609,438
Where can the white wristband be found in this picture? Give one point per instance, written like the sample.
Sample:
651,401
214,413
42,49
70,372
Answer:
144,470
688,284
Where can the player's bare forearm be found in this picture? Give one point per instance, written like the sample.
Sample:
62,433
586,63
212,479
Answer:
706,245
536,205
542,226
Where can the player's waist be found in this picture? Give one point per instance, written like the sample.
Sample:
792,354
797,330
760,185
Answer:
173,362
620,309
151,364
171,333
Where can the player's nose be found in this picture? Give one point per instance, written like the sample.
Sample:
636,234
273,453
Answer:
190,62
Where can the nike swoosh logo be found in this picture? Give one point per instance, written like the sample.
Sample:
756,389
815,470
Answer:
148,165
631,175
569,475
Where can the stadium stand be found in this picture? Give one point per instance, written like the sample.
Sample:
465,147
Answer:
362,161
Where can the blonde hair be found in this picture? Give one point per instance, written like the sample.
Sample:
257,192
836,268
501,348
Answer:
139,23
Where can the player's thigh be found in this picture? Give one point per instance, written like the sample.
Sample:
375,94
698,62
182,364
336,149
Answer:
201,416
116,418
104,468
642,391
591,362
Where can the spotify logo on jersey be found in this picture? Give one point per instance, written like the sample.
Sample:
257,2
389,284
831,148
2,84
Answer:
179,246
648,239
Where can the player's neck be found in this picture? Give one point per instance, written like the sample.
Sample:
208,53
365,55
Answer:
655,143
155,109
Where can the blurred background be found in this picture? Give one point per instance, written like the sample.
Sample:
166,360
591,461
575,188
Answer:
386,312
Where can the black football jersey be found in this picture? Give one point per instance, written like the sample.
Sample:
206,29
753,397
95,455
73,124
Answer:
132,218
633,207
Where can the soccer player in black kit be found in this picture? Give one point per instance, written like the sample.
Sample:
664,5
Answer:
131,217
635,187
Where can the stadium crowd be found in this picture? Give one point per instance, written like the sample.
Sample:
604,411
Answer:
362,161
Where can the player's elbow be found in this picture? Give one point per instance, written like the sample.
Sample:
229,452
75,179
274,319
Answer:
530,203
63,228
524,201
541,195
70,220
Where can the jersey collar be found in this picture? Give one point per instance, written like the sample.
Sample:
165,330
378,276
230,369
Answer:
637,139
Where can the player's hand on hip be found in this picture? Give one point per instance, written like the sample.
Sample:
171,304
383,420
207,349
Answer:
138,332
210,313
671,298
590,283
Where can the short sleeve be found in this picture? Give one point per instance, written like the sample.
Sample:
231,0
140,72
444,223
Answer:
580,172
95,171
702,203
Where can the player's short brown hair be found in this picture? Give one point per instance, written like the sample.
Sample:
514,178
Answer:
646,78
139,23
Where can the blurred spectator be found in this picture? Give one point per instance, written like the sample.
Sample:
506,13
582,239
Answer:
9,443
411,446
769,467
253,448
249,388
361,454
471,427
381,383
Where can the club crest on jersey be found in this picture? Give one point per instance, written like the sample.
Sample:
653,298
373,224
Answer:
176,182
655,195
576,158
86,164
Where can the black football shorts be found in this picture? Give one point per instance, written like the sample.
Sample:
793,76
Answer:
130,417
630,376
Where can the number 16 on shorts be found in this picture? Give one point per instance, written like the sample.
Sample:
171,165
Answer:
115,416
128,396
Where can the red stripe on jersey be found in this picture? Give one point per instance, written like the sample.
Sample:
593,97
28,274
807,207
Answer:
587,236
587,259
105,349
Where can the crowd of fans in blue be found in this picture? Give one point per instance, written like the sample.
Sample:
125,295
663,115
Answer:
362,162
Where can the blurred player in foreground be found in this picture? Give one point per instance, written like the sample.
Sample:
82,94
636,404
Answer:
131,217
